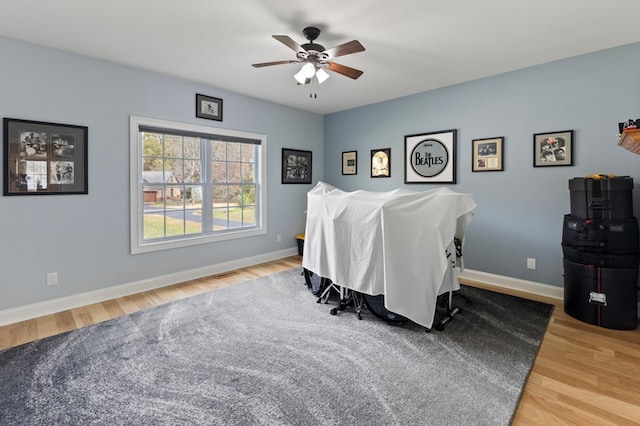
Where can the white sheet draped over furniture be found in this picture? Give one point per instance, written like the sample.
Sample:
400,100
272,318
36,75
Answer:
392,243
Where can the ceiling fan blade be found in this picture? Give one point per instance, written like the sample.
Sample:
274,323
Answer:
268,64
353,46
306,81
345,70
289,42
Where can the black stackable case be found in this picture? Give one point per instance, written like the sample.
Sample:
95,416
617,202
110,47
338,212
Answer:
600,243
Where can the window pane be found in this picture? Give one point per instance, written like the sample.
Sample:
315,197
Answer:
173,198
248,195
234,172
248,174
193,197
174,223
191,171
153,198
220,219
235,196
173,146
249,216
173,172
193,221
152,151
192,148
248,153
218,172
233,151
153,226
218,150
220,196
193,209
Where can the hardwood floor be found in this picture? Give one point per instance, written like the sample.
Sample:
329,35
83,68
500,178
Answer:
582,375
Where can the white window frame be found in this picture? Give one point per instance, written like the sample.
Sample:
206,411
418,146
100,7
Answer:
138,244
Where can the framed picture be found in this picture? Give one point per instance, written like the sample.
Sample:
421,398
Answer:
430,157
350,162
553,149
296,166
381,163
487,155
208,107
44,158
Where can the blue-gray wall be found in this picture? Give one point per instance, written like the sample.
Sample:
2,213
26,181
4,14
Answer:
85,238
520,210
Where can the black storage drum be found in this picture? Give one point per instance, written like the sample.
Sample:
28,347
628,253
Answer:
609,198
600,243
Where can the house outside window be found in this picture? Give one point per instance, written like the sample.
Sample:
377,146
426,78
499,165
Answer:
192,184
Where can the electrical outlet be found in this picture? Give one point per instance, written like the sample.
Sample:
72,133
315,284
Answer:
52,278
531,263
279,238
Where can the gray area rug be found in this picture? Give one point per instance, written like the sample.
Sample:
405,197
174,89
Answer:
264,352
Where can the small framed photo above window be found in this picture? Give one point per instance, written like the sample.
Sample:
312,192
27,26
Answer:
208,107
350,162
44,158
381,163
296,166
553,149
487,155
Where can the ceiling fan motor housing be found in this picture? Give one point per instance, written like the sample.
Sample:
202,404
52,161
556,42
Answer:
312,33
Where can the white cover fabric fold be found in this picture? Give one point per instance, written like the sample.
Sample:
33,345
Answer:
393,243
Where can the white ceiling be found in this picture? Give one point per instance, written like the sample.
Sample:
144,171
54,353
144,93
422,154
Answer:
411,45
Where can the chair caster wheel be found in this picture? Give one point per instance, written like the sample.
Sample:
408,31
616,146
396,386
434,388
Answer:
359,316
334,311
319,300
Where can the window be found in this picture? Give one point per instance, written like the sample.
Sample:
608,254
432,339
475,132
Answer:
193,184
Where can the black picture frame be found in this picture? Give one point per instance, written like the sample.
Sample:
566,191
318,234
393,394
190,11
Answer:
42,158
430,157
350,163
487,154
208,107
553,149
296,166
381,163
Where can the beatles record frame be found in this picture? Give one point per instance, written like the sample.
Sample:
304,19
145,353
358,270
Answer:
430,157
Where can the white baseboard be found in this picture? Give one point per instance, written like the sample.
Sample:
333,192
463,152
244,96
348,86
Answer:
530,287
35,310
53,306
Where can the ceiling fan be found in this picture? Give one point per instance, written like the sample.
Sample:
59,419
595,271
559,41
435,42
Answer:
315,58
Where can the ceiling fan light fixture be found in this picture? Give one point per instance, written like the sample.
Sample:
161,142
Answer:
300,77
308,69
322,75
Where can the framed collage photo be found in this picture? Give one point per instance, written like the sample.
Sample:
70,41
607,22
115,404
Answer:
553,149
296,166
487,155
44,158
